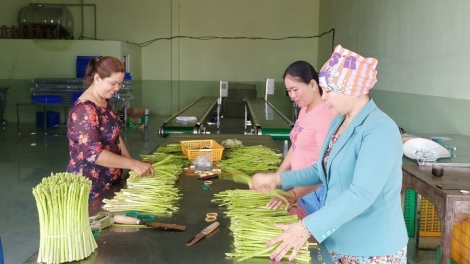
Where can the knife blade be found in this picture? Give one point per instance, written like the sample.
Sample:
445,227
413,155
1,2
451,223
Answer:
122,219
206,231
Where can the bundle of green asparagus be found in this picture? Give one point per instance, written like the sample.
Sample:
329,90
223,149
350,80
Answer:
165,158
152,194
171,149
251,159
252,224
65,233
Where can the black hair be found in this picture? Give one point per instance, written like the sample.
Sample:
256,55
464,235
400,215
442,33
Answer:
302,71
104,67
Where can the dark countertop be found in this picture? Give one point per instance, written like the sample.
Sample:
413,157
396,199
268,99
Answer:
143,245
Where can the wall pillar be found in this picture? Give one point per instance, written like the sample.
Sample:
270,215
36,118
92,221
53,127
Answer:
175,56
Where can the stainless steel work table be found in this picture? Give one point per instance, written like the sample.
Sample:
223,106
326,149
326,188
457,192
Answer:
131,245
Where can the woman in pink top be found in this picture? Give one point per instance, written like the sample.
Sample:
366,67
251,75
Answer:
307,135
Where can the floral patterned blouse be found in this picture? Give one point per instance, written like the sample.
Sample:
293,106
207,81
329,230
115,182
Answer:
334,138
92,128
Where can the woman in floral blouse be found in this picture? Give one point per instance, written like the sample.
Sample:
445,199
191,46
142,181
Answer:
97,150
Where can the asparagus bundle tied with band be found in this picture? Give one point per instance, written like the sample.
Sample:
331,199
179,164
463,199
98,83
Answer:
65,233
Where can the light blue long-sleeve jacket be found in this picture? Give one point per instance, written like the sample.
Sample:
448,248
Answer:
361,213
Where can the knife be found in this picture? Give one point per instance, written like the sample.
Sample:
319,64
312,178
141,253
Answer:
121,219
206,231
208,177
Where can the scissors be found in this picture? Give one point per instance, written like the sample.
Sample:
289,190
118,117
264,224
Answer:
134,218
145,218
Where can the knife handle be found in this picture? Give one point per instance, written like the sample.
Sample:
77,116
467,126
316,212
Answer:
208,177
166,226
210,228
127,220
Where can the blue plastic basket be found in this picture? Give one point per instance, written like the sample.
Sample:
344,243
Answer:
82,63
46,98
75,96
1,252
52,119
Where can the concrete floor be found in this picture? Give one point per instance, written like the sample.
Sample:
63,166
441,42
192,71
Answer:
25,161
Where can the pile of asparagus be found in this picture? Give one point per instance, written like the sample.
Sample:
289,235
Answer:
252,223
243,161
175,149
152,194
65,233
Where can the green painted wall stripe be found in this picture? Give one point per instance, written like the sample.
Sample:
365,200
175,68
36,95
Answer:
425,114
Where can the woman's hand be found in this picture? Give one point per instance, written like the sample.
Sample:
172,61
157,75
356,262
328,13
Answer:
143,168
265,182
294,238
276,202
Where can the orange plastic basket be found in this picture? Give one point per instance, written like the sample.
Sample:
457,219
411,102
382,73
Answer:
429,225
194,148
460,246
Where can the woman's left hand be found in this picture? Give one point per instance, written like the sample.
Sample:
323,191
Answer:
293,237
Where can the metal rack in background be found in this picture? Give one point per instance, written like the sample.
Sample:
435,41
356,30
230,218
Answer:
66,87
69,88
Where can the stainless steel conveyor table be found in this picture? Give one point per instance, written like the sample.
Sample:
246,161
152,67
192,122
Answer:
201,109
128,245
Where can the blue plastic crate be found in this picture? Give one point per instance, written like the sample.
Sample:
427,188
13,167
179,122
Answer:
47,98
1,252
75,96
81,65
52,119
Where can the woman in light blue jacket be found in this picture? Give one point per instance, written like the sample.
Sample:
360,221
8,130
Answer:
361,220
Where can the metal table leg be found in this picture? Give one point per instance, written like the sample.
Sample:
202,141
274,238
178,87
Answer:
18,119
286,147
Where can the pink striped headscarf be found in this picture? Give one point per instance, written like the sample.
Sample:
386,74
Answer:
348,72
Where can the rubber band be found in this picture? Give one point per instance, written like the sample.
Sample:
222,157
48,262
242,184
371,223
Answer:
208,182
148,218
294,195
210,218
212,214
132,214
74,233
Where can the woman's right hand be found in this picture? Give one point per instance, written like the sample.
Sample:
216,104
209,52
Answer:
265,182
143,168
